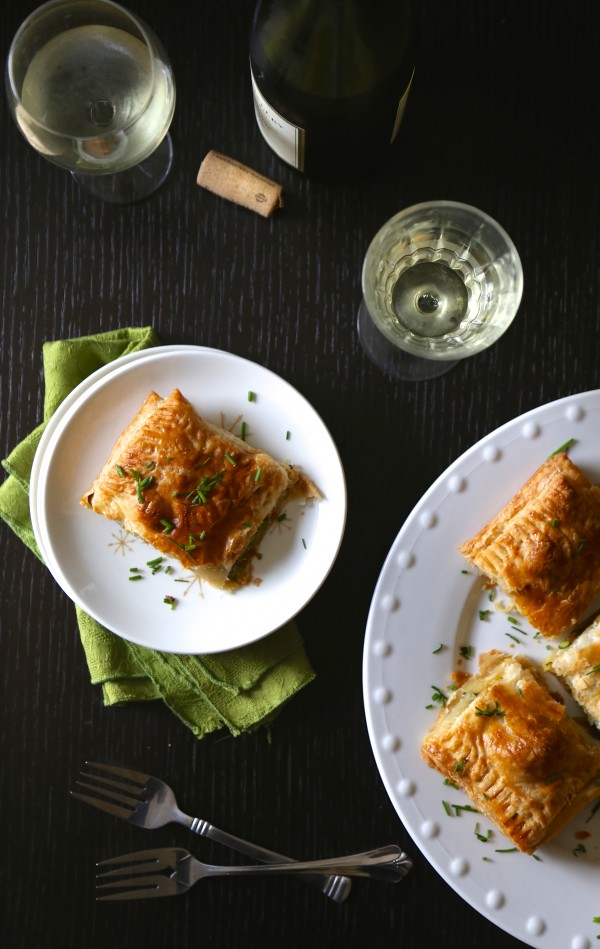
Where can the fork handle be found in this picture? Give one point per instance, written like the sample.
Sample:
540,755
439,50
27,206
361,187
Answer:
335,887
387,863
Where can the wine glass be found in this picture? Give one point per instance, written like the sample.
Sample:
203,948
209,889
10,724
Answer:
441,281
91,89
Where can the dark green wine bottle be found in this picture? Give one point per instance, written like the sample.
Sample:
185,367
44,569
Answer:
331,79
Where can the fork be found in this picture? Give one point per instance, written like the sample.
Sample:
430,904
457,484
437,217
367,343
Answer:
148,802
171,871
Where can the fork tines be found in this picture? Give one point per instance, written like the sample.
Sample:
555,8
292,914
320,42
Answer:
153,863
120,802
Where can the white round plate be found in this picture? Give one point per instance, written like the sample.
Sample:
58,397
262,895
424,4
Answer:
427,598
91,557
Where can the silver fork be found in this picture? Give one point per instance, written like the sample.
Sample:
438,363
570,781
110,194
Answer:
148,802
171,871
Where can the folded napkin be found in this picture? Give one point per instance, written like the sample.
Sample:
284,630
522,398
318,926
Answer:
240,689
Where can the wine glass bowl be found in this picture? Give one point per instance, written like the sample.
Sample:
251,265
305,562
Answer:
441,281
91,89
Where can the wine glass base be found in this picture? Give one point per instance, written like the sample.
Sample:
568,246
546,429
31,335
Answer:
135,183
393,361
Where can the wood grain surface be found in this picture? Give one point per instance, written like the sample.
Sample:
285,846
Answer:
503,116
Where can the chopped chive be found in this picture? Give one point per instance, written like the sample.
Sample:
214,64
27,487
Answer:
593,669
460,765
170,601
230,458
167,526
134,570
250,395
181,580
438,695
554,522
151,465
510,636
507,850
136,576
168,568
483,614
439,649
258,474
120,471
155,562
244,427
304,543
451,784
288,435
562,448
464,807
447,808
466,652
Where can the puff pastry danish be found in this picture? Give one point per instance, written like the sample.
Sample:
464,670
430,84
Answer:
512,747
194,491
543,548
577,665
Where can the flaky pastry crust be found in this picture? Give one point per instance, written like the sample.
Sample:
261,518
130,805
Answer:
577,665
511,746
194,491
543,548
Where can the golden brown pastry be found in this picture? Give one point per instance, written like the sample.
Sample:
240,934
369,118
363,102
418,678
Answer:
512,747
543,548
577,665
193,490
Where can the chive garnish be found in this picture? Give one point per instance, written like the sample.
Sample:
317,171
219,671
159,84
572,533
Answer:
593,669
136,576
466,652
510,636
288,435
562,448
170,601
167,526
451,784
483,614
244,427
439,649
507,850
250,395
119,471
230,458
438,695
258,474
489,710
141,484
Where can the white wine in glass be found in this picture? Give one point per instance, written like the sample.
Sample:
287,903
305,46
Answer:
441,281
92,90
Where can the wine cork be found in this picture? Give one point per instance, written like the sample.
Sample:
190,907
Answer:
235,182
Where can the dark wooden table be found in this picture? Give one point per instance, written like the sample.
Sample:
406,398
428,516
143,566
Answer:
502,116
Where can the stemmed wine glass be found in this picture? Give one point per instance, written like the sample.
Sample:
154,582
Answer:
441,281
91,89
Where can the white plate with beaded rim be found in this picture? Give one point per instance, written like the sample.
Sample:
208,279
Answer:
431,615
92,558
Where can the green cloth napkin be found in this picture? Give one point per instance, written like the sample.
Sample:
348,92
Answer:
240,689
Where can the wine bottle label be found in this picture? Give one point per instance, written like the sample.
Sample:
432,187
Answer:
401,108
286,139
